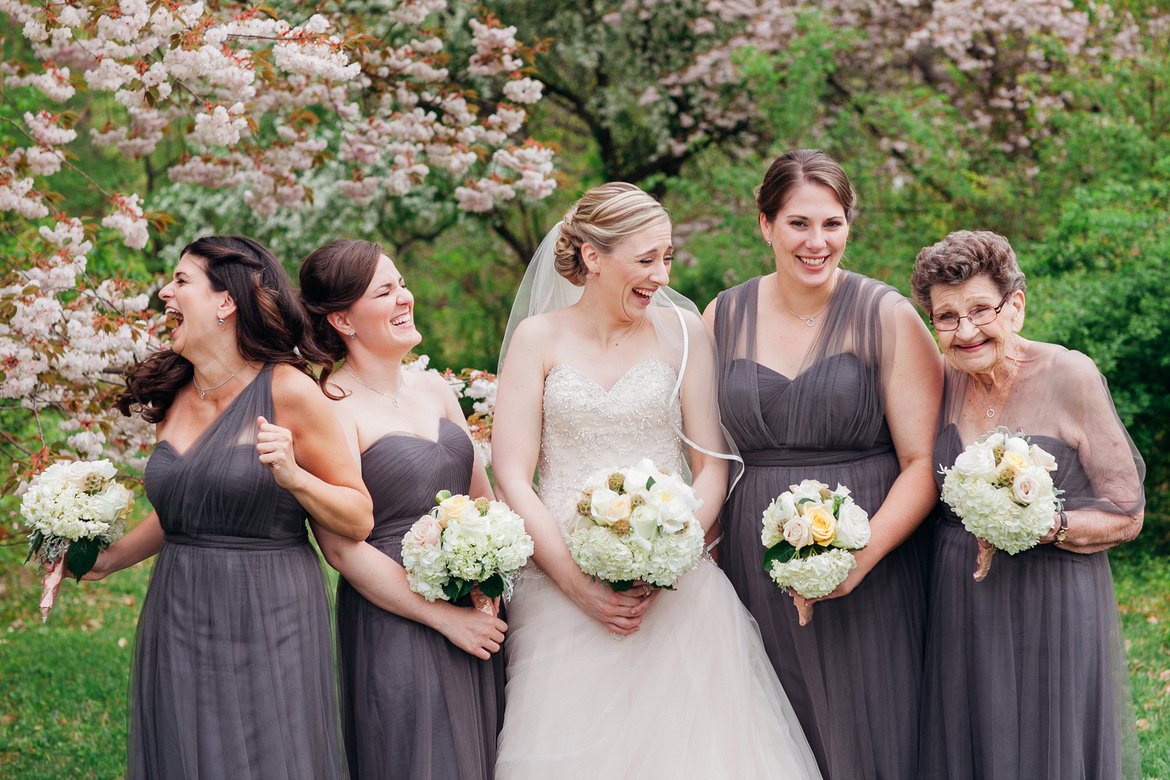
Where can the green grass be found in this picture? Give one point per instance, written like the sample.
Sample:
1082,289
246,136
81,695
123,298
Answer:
63,684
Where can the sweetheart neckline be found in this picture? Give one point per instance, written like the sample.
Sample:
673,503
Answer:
398,434
619,380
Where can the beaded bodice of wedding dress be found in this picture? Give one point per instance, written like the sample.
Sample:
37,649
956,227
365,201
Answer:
587,428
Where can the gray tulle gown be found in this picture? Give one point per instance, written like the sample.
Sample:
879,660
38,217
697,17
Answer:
853,674
413,704
233,674
1026,676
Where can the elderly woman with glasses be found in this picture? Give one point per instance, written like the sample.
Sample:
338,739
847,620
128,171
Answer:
1025,670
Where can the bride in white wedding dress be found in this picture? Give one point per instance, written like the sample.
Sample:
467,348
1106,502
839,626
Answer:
609,371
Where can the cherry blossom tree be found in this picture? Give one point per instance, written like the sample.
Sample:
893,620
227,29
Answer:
255,104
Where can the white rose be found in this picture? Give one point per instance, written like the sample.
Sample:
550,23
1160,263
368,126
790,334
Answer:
644,523
1026,487
809,488
639,474
975,461
1042,458
471,525
798,532
852,527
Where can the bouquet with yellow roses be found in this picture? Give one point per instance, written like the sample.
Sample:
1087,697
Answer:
465,546
811,533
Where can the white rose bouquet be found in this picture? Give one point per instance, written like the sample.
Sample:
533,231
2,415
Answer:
637,525
465,546
74,510
1001,488
810,532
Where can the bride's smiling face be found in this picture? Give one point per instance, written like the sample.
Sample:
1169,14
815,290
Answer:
635,269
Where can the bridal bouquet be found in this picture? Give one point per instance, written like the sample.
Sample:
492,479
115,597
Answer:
637,525
810,532
465,546
74,510
1001,487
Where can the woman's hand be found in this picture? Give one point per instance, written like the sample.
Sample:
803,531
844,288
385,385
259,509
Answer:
471,630
274,445
620,613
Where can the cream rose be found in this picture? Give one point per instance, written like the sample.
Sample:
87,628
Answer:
798,532
427,531
1026,488
608,507
1042,458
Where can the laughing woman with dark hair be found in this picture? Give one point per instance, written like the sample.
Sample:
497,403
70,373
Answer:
233,670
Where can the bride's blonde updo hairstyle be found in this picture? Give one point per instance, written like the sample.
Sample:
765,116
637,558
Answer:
604,217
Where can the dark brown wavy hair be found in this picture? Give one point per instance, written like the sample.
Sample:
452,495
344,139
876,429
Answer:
332,278
271,326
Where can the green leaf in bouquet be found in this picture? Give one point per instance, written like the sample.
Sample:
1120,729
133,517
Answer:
81,555
621,586
837,502
456,589
493,586
34,545
781,551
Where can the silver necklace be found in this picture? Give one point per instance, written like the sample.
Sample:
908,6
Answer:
809,321
392,396
203,391
979,396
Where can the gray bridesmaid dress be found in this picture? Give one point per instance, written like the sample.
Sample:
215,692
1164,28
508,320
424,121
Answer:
413,704
233,671
1026,676
853,674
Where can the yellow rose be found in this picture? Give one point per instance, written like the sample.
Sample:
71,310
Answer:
452,507
1013,462
821,522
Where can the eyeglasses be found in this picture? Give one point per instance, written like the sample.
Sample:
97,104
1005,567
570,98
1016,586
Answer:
980,315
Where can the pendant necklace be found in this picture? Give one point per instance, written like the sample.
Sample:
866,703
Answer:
203,391
809,321
392,396
979,396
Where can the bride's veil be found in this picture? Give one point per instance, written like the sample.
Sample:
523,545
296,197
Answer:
681,332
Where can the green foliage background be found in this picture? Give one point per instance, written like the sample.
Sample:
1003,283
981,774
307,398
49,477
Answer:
1087,209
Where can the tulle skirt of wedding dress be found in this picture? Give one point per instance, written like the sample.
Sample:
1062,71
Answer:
690,695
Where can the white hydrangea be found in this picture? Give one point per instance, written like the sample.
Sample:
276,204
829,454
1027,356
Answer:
1001,488
815,576
74,500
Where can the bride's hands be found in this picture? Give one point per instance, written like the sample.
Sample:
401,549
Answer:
620,613
472,631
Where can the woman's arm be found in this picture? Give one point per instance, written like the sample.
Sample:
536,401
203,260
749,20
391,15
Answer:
382,580
139,544
321,474
700,408
913,395
515,446
1109,458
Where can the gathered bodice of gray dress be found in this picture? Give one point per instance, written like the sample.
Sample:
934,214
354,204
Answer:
413,704
233,668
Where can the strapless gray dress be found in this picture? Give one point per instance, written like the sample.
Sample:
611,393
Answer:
413,704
